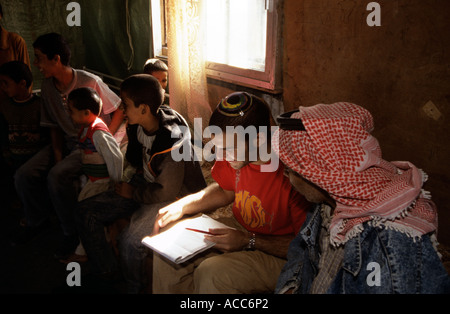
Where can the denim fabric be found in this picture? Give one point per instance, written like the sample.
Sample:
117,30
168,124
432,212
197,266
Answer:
302,258
40,184
404,265
378,260
93,214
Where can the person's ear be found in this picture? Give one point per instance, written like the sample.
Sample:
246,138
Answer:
87,112
143,108
23,83
56,59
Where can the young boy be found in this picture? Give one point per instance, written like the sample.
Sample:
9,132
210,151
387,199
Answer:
21,111
158,69
158,180
55,170
101,158
21,114
267,212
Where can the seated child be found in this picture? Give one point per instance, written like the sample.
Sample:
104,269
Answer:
159,179
52,175
20,112
159,70
101,158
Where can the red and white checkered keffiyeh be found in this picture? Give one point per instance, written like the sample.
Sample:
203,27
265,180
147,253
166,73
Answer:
338,154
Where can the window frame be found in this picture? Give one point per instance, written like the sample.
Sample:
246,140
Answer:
268,81
158,32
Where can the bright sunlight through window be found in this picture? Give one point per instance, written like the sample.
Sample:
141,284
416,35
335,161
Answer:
236,33
241,39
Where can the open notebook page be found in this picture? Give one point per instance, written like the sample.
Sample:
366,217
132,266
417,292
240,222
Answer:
179,244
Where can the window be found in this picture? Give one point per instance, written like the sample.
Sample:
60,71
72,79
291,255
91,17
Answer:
241,40
159,28
236,33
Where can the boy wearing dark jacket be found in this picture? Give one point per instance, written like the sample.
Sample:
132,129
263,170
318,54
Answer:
154,131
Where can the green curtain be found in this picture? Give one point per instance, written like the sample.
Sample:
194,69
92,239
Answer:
103,42
113,44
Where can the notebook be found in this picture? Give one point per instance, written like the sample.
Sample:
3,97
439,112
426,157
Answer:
179,244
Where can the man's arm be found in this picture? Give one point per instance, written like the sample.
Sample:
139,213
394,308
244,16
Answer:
229,240
210,198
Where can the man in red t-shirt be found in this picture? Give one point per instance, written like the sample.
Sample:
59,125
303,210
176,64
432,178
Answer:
264,202
267,211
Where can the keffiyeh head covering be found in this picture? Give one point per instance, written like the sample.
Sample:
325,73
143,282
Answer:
337,153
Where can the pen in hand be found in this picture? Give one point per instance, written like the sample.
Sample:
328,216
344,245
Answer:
197,230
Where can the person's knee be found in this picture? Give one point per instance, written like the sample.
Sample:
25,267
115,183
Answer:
56,178
25,175
124,239
81,212
129,241
210,277
86,215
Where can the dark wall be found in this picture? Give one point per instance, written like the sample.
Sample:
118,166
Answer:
394,70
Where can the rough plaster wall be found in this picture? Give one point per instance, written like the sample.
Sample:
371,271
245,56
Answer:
331,54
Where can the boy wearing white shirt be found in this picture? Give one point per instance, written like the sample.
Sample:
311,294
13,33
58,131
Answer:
50,178
101,159
154,131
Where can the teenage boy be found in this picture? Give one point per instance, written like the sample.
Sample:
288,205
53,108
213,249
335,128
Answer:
267,212
57,167
159,179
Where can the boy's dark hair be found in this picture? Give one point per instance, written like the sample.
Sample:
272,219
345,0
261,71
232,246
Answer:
86,98
242,109
144,89
155,65
17,71
53,44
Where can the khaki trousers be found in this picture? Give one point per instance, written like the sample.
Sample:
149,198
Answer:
216,272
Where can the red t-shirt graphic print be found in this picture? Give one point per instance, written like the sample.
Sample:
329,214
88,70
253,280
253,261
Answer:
265,202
